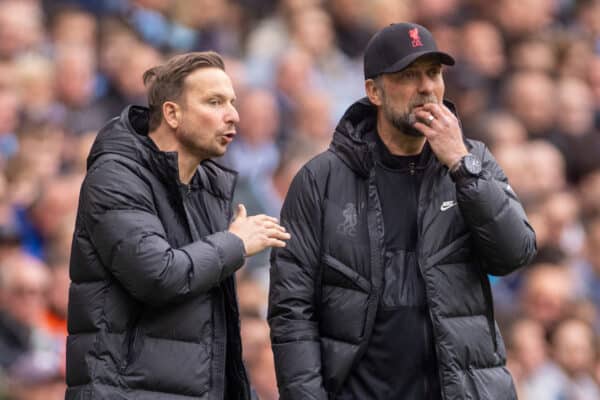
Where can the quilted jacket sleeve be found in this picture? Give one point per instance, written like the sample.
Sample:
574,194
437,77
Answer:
502,235
292,314
118,215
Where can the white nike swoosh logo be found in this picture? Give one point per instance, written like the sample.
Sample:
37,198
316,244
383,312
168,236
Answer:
447,204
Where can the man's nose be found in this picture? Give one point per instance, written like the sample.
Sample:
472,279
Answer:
232,116
426,84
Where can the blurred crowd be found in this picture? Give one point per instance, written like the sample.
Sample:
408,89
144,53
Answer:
527,83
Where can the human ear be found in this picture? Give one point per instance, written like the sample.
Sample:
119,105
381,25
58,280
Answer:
373,92
171,114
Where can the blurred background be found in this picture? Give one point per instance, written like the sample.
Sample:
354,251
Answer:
527,83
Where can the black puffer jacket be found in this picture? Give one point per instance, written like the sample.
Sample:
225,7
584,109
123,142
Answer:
152,305
327,283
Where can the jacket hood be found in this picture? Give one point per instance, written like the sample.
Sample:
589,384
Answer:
353,137
127,136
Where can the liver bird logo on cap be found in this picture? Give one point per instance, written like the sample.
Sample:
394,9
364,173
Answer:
414,37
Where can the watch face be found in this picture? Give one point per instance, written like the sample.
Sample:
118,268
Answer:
472,165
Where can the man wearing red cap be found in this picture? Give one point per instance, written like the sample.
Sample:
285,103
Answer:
382,292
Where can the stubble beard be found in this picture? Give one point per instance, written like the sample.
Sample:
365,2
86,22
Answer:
189,141
404,122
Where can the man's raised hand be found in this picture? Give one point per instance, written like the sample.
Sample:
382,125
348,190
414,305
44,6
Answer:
258,231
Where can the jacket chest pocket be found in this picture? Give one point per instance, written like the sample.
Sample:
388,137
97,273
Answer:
344,301
442,221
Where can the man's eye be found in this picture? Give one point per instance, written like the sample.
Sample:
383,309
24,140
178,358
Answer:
215,102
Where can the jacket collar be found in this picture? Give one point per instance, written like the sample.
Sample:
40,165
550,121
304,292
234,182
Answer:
354,137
